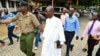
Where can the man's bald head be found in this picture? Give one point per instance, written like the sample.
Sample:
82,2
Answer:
49,11
95,15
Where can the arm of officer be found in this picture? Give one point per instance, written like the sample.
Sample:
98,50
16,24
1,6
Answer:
6,21
41,28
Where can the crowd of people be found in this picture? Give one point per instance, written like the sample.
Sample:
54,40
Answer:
56,33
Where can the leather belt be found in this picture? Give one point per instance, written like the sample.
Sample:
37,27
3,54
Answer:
27,33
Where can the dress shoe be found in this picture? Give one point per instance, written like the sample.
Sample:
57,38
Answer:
67,55
65,43
84,49
71,47
17,39
33,54
40,40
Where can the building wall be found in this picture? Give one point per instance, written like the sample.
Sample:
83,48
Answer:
11,5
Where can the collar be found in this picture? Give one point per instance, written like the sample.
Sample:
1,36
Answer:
51,17
28,13
72,16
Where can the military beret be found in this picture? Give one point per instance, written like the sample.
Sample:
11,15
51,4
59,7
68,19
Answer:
23,3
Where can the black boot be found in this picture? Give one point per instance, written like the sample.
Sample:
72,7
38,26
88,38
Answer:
33,54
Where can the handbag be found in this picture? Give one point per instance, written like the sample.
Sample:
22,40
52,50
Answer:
58,43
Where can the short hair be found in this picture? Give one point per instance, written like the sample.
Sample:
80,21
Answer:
72,9
50,8
65,9
95,13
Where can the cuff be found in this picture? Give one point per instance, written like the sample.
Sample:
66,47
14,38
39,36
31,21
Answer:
61,43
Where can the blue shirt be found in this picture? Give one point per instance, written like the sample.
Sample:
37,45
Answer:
9,16
1,18
72,24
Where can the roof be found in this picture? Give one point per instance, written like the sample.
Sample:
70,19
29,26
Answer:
50,0
15,0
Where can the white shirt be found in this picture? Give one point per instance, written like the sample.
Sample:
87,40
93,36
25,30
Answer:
53,31
63,16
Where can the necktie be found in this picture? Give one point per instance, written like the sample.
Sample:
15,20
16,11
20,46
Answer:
89,31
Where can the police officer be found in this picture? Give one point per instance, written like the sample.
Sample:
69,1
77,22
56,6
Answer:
26,22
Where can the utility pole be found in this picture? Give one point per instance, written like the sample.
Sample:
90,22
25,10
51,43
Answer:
52,2
68,4
77,1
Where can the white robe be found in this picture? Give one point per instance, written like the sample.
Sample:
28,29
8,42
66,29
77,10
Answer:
53,31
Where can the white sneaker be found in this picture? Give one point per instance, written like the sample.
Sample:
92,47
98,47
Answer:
35,48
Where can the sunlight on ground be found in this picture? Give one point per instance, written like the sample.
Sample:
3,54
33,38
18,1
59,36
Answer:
3,30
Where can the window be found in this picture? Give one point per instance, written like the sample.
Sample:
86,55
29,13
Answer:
17,4
9,4
12,4
3,3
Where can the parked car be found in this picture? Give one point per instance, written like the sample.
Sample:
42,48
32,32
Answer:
81,12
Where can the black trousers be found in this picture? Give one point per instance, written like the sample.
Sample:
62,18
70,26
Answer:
91,44
69,37
98,52
10,34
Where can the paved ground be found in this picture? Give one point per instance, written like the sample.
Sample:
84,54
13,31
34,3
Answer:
14,50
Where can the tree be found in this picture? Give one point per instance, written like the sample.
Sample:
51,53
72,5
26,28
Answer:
83,2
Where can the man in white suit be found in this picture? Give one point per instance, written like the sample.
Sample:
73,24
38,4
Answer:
53,34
